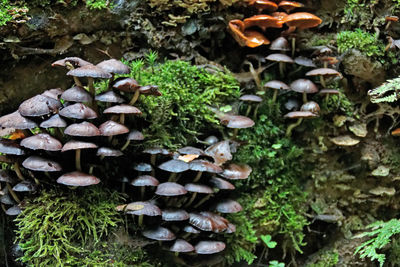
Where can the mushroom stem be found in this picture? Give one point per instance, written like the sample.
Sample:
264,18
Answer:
18,171
191,200
304,97
110,81
202,201
292,126
275,95
197,178
293,45
255,112
235,132
248,110
76,80
322,80
15,197
126,145
135,97
153,163
172,177
91,170
282,69
142,191
3,207
122,118
91,86
78,159
140,221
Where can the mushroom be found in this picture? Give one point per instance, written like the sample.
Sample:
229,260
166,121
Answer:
71,63
174,215
54,93
280,44
321,72
262,21
16,121
143,181
13,148
174,166
281,59
221,184
305,87
42,141
148,210
54,121
77,146
128,85
250,99
236,122
209,247
37,163
328,92
113,66
203,166
311,106
77,178
91,72
220,152
108,152
180,246
109,97
82,129
170,189
160,234
122,110
76,94
111,128
288,6
78,111
133,135
244,37
305,62
228,206
264,5
39,105
198,188
276,86
25,186
14,211
236,171
344,140
299,115
5,177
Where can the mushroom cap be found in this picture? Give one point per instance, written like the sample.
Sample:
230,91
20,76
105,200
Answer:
54,93
156,150
189,150
220,224
82,129
191,229
14,211
262,21
278,85
280,16
89,71
228,206
36,163
300,115
10,147
170,189
236,171
209,247
135,135
174,165
220,152
174,215
292,104
264,5
109,97
323,72
280,44
344,140
237,121
143,167
126,84
304,86
251,98
122,109
108,152
145,180
16,121
221,184
5,177
255,38
7,200
204,166
302,20
39,105
148,209
74,145
111,128
77,178
181,246
160,234
289,5
114,66
236,29
54,121
76,94
200,221
279,58
231,228
329,92
75,61
42,141
198,188
150,90
311,106
78,111
303,61
24,186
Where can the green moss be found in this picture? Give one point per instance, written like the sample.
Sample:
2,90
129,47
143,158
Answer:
10,11
98,4
328,258
365,42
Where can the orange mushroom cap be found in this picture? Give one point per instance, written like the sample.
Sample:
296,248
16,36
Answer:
248,38
236,28
302,20
263,21
280,16
264,5
396,132
255,38
392,18
288,6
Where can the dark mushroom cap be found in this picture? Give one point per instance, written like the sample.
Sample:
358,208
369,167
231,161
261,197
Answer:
150,90
156,150
77,179
174,215
145,180
54,121
111,128
237,121
236,171
209,247
39,105
323,72
14,211
174,165
311,106
278,85
303,61
251,98
322,51
148,209
75,61
108,152
77,94
190,229
89,71
199,188
42,141
143,167
302,20
78,111
114,66
126,84
200,221
279,58
24,186
74,145
54,93
329,92
292,104
16,121
5,177
204,166
160,234
220,152
170,189
189,150
300,115
211,140
181,246
280,44
220,224
228,206
36,163
82,129
231,228
109,97
10,147
304,86
7,200
122,109
221,183
135,135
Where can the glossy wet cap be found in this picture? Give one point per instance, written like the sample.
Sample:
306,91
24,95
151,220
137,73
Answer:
78,111
209,247
289,5
303,61
37,163
150,90
54,93
279,58
39,105
109,152
221,184
13,211
126,84
200,221
181,246
109,97
220,224
262,21
251,98
122,109
255,38
311,106
160,234
145,180
76,94
114,66
74,61
198,188
280,44
6,177
10,147
143,167
171,215
7,200
42,141
237,171
236,29
89,71
148,209
278,85
237,121
111,128
16,121
344,140
304,86
300,115
25,186
174,165
228,206
323,72
211,140
54,121
135,135
220,152
302,20
189,150
156,150
191,229
170,189
78,179
82,129
74,145
204,166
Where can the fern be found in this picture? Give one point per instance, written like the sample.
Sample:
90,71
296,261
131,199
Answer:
381,233
387,92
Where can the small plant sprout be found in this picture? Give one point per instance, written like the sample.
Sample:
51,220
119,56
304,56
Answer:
151,58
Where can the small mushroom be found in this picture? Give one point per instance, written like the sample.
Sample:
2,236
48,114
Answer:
236,122
77,146
170,189
228,206
133,135
311,106
299,115
174,215
250,99
91,72
36,163
39,105
82,129
180,246
78,179
305,87
276,86
143,181
122,110
282,59
221,184
174,166
148,210
16,121
42,141
109,97
209,247
78,111
236,171
220,152
111,128
344,140
76,94
160,234
195,189
203,166
288,6
322,72
280,44
113,66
